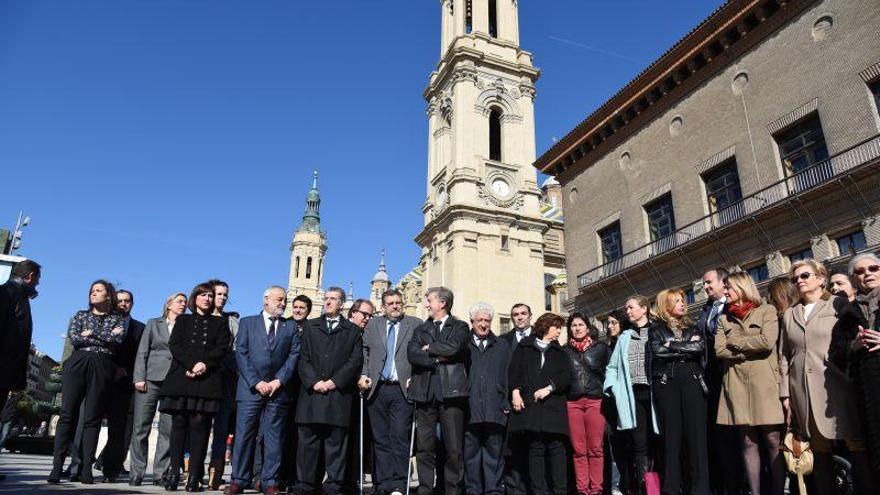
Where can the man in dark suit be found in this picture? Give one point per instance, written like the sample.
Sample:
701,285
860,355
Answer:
120,406
330,362
516,467
299,312
266,351
385,377
16,327
438,354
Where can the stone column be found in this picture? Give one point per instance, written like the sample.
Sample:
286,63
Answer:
777,264
480,15
458,15
823,248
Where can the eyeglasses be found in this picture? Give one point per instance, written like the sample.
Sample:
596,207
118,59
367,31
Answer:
365,314
869,268
802,276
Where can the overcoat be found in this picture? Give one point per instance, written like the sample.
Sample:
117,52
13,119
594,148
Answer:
815,385
16,328
487,374
746,351
526,374
197,338
328,355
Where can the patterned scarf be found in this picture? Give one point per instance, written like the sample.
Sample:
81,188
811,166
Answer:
741,310
581,345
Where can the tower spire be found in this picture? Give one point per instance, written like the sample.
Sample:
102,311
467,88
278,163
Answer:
312,216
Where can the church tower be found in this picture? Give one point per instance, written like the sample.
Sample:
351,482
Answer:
483,227
307,254
380,284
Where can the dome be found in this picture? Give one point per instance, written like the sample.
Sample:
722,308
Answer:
381,276
549,181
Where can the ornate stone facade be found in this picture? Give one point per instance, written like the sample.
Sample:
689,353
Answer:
307,255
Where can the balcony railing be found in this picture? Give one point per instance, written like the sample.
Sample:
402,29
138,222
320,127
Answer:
804,180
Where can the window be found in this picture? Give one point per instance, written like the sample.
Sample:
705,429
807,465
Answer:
296,268
805,254
309,267
802,145
505,242
723,190
759,273
495,135
469,17
609,238
875,90
852,243
493,18
661,220
690,297
505,324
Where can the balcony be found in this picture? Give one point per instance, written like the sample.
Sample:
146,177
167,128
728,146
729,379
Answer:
864,153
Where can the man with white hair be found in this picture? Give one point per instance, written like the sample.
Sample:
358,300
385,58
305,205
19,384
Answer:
488,404
266,351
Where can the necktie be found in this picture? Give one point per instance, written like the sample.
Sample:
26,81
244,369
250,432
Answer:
270,336
482,344
331,324
437,326
388,369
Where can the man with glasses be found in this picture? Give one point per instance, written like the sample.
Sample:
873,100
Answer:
359,314
330,362
385,378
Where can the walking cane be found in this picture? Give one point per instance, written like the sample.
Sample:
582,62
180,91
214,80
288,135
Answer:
361,441
412,441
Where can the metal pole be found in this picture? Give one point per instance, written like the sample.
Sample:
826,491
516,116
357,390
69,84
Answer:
412,441
361,441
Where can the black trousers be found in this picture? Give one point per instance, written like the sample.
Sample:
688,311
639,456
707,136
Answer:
320,442
516,465
681,406
198,426
548,465
483,458
451,415
120,417
85,380
634,454
391,418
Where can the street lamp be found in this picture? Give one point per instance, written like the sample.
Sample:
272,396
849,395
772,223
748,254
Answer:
22,222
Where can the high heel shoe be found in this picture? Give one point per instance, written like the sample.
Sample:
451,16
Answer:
171,482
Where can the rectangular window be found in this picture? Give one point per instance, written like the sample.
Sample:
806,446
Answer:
723,190
852,243
609,238
505,242
875,90
689,295
759,273
803,254
800,147
493,18
661,218
505,324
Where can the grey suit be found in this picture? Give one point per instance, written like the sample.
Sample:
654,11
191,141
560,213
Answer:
389,410
151,365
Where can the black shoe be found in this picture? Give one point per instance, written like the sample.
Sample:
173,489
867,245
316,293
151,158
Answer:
86,479
54,477
193,484
66,473
74,478
111,478
171,482
136,481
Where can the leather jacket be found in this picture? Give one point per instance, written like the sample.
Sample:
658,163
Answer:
587,370
442,369
667,358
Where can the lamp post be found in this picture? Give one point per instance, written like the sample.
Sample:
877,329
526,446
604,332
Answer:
23,221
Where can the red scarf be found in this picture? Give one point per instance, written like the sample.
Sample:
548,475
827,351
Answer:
580,346
741,310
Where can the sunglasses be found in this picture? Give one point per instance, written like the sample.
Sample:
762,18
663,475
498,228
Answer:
870,268
802,276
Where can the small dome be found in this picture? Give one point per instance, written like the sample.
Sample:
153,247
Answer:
550,181
381,276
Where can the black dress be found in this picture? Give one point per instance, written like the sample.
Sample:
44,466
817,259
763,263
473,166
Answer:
196,338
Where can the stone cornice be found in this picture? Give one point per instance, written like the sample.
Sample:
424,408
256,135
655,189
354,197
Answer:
456,59
457,212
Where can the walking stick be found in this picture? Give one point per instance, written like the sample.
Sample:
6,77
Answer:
412,441
361,441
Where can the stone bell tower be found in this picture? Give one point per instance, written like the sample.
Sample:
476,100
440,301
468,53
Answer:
307,254
483,229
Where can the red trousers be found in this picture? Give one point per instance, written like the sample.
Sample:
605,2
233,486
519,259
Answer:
587,427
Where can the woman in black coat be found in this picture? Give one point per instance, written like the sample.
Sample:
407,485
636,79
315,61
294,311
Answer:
539,377
193,388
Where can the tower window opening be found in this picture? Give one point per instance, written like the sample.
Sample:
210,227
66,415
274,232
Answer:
493,18
469,17
296,267
309,267
495,135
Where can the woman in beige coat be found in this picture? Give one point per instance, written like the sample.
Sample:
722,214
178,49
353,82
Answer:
746,346
819,398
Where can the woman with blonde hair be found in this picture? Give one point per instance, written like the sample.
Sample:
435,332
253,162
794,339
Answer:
745,344
150,367
819,398
680,392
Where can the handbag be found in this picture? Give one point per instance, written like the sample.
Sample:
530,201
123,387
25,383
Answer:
798,459
652,482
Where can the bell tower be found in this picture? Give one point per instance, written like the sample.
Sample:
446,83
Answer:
307,254
483,229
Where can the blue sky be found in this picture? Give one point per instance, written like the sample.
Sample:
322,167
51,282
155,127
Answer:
160,143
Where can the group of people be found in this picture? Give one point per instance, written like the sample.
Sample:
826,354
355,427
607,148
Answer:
695,405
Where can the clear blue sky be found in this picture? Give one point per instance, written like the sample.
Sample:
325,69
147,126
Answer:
159,143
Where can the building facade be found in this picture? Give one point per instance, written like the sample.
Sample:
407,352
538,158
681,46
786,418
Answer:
40,366
485,236
307,252
751,143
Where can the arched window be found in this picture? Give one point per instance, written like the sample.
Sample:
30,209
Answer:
309,267
296,268
495,134
493,18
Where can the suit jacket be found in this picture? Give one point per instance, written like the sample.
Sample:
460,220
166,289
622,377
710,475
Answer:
126,353
510,338
197,338
707,334
813,384
258,361
432,378
16,328
153,357
375,352
328,355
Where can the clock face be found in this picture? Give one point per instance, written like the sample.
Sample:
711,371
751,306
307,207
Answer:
500,187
